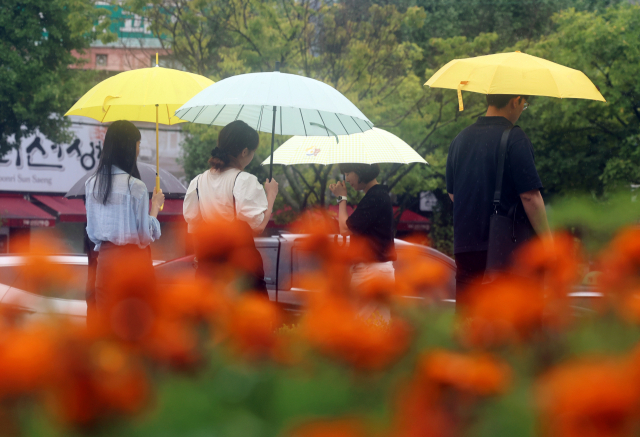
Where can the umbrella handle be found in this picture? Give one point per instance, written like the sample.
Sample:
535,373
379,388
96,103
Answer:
460,104
158,189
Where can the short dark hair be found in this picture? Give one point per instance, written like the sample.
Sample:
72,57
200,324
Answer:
366,172
501,100
232,140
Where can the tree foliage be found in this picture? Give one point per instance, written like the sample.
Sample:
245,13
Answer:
37,87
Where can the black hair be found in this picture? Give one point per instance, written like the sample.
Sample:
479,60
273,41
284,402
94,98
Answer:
366,172
501,100
119,150
232,140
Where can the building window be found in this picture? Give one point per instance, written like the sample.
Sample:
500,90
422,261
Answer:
101,60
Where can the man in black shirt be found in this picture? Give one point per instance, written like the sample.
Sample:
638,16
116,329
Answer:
372,221
471,174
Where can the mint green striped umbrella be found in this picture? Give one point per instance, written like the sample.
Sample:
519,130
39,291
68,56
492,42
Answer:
369,147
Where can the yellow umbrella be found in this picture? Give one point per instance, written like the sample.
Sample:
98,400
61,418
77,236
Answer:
147,94
514,73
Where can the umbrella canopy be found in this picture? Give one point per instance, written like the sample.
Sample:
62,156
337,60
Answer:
372,146
514,73
170,185
146,94
133,95
304,106
279,103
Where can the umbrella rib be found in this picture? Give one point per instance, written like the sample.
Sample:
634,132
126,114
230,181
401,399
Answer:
168,115
354,120
305,128
105,114
194,120
325,126
346,132
260,117
214,118
238,115
280,120
185,114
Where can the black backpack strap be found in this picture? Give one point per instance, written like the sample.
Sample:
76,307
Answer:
235,215
197,185
502,153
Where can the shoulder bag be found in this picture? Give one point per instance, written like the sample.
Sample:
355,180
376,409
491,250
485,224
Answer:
506,232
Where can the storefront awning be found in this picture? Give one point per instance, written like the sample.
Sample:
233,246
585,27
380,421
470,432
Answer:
67,210
73,210
17,212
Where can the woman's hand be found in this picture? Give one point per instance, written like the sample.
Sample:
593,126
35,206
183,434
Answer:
271,188
156,202
338,189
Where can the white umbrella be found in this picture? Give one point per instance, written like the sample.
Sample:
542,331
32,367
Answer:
278,103
375,145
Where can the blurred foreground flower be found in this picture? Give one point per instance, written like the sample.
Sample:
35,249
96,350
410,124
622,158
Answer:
506,311
27,358
476,374
438,400
589,398
620,278
333,326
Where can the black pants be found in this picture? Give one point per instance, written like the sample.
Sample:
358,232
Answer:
470,270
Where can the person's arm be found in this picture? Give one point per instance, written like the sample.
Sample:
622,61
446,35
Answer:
534,207
451,196
156,202
343,215
340,189
271,189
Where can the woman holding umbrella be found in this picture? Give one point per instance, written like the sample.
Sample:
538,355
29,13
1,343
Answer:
371,223
119,220
226,194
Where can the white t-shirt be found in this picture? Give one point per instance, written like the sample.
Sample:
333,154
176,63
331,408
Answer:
217,190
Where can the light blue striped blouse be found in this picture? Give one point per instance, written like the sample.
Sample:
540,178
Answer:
125,218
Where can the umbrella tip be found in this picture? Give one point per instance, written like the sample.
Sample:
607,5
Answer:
277,66
518,51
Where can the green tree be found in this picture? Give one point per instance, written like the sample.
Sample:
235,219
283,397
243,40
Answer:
37,87
584,145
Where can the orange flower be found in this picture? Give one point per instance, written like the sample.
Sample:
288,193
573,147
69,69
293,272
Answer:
332,428
437,401
228,244
27,356
416,274
620,278
251,326
554,259
506,311
95,380
419,412
332,325
589,398
478,374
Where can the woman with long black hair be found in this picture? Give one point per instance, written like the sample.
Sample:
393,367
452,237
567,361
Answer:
227,194
119,221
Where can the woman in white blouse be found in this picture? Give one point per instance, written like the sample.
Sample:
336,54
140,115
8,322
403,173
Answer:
226,192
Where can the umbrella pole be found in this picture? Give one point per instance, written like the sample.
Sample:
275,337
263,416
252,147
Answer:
273,132
157,157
